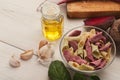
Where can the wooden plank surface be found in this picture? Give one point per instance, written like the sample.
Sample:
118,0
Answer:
87,9
20,25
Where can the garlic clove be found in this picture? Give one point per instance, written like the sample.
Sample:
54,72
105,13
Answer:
27,55
14,62
46,52
42,43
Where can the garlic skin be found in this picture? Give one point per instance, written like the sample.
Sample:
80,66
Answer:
27,55
45,62
42,43
45,54
14,62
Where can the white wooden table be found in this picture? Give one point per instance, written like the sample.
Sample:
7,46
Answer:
20,25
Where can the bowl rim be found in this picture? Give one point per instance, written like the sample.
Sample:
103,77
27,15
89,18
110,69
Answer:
84,71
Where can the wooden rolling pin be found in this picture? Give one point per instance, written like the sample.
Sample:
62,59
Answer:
87,9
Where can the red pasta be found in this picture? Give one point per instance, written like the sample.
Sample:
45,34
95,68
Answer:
87,50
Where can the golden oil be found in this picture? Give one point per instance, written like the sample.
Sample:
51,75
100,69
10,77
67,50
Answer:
52,21
52,29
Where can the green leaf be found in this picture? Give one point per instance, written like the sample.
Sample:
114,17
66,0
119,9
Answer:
94,77
78,76
58,71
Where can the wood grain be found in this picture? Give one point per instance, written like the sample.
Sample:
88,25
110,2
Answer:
20,25
82,9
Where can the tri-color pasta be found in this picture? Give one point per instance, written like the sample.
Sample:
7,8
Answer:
86,50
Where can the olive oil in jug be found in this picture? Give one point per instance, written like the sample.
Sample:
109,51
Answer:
52,21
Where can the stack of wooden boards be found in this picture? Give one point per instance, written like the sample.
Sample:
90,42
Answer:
87,9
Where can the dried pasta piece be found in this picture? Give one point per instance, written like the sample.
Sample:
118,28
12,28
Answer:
78,59
108,55
106,47
75,33
97,37
96,63
102,64
109,51
92,33
95,51
73,64
73,44
104,53
71,38
79,51
65,45
86,67
70,50
88,49
84,54
97,55
83,38
67,55
94,48
100,43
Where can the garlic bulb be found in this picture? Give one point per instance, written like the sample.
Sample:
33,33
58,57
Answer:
27,55
14,62
45,54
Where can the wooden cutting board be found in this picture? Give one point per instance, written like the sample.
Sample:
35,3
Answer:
87,9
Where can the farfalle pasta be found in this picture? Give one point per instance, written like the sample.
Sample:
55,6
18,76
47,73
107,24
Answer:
86,50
